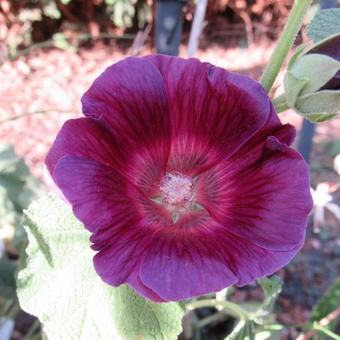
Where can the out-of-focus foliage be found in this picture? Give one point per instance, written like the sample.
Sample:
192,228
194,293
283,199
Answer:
262,15
328,303
7,278
325,318
41,23
46,22
250,320
17,189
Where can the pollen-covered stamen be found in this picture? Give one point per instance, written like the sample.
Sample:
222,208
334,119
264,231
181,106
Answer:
177,189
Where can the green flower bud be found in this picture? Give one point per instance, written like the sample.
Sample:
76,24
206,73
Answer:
312,81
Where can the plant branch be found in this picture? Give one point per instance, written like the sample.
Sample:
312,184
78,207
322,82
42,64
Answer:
286,41
280,103
326,331
232,307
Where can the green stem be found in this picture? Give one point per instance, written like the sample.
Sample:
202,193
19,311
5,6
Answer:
6,307
232,307
286,41
326,331
280,103
33,329
13,312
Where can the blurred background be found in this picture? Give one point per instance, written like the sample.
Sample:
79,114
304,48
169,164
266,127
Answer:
51,51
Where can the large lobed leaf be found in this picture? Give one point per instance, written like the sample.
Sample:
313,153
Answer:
61,288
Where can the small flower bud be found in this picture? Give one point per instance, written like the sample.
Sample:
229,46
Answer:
312,81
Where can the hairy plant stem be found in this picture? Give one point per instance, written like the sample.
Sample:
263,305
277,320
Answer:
286,41
326,331
280,103
33,331
234,309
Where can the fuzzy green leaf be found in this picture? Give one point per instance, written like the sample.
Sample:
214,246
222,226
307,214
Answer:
293,87
319,106
317,69
325,23
60,286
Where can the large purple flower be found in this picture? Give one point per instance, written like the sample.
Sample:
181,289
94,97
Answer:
183,174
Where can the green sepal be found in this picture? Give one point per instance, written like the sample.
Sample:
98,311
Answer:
293,87
318,117
319,106
308,74
316,69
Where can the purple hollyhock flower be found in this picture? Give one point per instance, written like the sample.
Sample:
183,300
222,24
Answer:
182,173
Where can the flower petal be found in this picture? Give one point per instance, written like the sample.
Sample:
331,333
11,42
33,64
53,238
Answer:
184,263
136,283
129,98
119,261
99,196
248,261
95,192
204,257
214,112
256,198
83,138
